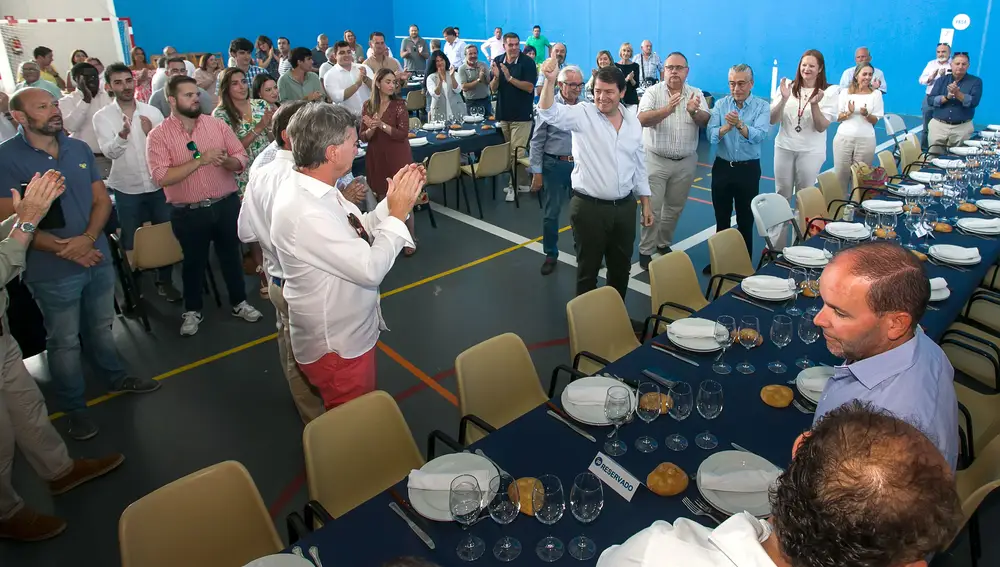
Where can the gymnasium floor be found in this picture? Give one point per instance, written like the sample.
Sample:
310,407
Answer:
224,396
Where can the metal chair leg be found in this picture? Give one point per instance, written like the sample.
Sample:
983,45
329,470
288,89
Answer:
430,213
475,189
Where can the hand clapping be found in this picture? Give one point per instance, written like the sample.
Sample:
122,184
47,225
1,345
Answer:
850,107
693,103
817,96
785,88
404,188
732,118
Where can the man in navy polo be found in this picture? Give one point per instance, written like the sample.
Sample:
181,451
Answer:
68,269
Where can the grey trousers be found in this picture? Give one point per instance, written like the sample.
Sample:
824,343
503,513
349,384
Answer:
670,184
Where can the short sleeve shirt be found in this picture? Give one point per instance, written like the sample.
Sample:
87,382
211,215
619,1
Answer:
541,44
513,104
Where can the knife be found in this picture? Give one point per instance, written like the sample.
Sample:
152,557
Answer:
416,529
660,348
408,509
754,303
566,422
658,379
740,448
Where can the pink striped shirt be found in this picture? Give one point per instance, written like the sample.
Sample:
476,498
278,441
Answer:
166,147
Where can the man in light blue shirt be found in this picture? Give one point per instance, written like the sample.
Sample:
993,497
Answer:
32,75
650,66
873,298
738,125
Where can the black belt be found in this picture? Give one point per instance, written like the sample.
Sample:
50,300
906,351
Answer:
561,158
738,163
614,203
200,204
953,123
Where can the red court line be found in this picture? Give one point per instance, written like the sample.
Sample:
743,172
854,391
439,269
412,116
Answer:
710,167
287,494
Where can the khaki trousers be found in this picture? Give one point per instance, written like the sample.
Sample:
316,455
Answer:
942,134
307,400
519,135
670,184
848,150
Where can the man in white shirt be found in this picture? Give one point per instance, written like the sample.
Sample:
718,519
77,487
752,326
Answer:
863,57
331,60
864,488
348,84
453,48
169,52
671,112
284,52
254,225
608,175
78,109
935,68
333,256
121,128
493,47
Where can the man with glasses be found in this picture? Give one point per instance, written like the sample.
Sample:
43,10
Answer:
953,99
552,163
32,75
739,124
193,157
935,68
474,75
671,113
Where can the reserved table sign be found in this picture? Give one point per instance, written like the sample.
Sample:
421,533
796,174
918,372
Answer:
614,475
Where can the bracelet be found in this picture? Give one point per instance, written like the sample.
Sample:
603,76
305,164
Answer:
92,239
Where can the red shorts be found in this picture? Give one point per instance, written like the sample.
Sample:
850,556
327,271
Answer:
340,380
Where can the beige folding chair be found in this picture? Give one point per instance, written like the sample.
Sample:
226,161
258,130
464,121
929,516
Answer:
833,193
811,206
888,162
493,161
674,287
727,253
600,331
984,415
415,123
443,167
974,484
973,352
416,101
212,518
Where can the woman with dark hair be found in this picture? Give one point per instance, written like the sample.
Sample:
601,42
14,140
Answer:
804,108
207,75
443,89
860,107
265,88
631,72
142,72
267,59
250,119
386,128
78,56
604,59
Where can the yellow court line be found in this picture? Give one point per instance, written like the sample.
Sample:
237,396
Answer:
702,188
697,179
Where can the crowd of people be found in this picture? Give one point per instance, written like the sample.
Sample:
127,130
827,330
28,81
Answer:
255,159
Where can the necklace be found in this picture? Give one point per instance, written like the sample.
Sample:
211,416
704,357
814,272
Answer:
798,123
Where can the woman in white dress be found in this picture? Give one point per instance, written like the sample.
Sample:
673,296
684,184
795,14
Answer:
804,108
860,107
444,90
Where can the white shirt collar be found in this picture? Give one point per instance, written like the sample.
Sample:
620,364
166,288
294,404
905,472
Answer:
314,186
284,155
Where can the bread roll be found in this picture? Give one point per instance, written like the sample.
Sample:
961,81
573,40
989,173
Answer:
995,175
667,479
777,396
487,127
920,255
749,333
987,191
936,193
411,135
807,289
441,137
883,233
968,208
525,486
942,227
456,126
911,209
665,401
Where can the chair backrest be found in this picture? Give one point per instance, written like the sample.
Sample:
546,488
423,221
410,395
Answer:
214,517
771,215
811,205
599,323
415,123
980,478
888,162
155,246
727,252
371,431
672,278
832,188
493,161
415,100
443,166
909,152
497,381
894,126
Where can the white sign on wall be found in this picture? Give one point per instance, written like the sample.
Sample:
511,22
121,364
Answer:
961,22
947,36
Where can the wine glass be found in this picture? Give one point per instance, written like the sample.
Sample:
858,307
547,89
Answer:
871,223
725,332
709,404
948,199
586,499
831,246
798,275
504,507
887,222
926,199
911,220
930,218
617,407
549,504
813,286
648,409
808,333
781,336
748,336
465,500
683,400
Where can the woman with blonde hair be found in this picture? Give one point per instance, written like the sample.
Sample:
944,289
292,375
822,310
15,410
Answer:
860,107
142,73
604,59
631,72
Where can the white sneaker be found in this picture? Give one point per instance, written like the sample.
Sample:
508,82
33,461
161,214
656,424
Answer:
510,194
524,188
190,325
246,312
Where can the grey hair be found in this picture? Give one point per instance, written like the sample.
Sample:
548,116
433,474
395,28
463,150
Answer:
314,128
742,68
568,69
21,67
330,51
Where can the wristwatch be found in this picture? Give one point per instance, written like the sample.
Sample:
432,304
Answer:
25,227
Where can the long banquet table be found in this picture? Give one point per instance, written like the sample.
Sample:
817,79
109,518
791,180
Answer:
467,144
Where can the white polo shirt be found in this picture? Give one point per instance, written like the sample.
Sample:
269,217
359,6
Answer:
338,80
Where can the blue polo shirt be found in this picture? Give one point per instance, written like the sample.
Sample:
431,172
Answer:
19,162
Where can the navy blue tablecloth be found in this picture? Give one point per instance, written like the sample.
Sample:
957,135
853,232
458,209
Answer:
468,144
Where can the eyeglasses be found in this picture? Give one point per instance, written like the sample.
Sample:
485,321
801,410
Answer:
193,147
677,68
738,84
573,85
358,227
964,53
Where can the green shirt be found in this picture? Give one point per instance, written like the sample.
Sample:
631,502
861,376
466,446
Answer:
541,45
290,89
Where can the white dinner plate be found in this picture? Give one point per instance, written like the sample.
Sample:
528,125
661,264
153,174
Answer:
947,260
591,414
940,294
433,504
849,236
463,133
988,134
994,127
812,372
735,502
768,295
974,143
907,190
280,560
694,345
433,126
806,263
417,142
963,224
473,118
991,205
926,176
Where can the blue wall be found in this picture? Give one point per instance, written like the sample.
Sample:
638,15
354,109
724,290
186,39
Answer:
901,34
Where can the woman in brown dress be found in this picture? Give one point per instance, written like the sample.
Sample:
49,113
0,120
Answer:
385,126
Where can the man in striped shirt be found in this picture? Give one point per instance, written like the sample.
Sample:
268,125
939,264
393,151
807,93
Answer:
193,157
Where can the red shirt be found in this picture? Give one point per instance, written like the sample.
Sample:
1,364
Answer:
166,147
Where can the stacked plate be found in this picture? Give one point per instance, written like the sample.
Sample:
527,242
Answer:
417,142
473,118
811,381
737,481
433,126
848,230
914,190
768,288
807,256
463,133
964,151
429,494
694,334
975,143
989,205
926,176
945,163
957,255
583,399
994,127
989,134
280,560
880,206
987,227
939,289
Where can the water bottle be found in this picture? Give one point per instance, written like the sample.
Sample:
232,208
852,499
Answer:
848,213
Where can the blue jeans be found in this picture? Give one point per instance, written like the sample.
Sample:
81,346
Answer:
555,193
79,306
133,210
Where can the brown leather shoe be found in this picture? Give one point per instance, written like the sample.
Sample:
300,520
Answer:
28,525
84,470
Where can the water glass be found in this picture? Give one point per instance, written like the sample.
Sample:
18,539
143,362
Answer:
831,246
586,499
504,508
781,336
912,220
798,275
549,504
930,218
813,287
709,404
648,409
949,198
617,407
725,332
465,500
748,336
683,400
808,333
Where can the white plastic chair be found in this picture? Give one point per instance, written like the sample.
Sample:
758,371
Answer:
772,216
896,128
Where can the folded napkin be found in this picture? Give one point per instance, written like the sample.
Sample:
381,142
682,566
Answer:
421,480
587,395
739,481
988,134
975,143
433,125
952,252
769,283
806,253
883,206
938,284
944,163
849,229
692,328
926,176
992,205
964,151
814,381
994,127
988,225
916,189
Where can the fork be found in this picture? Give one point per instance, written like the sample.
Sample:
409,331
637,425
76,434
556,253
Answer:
699,508
798,405
943,265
